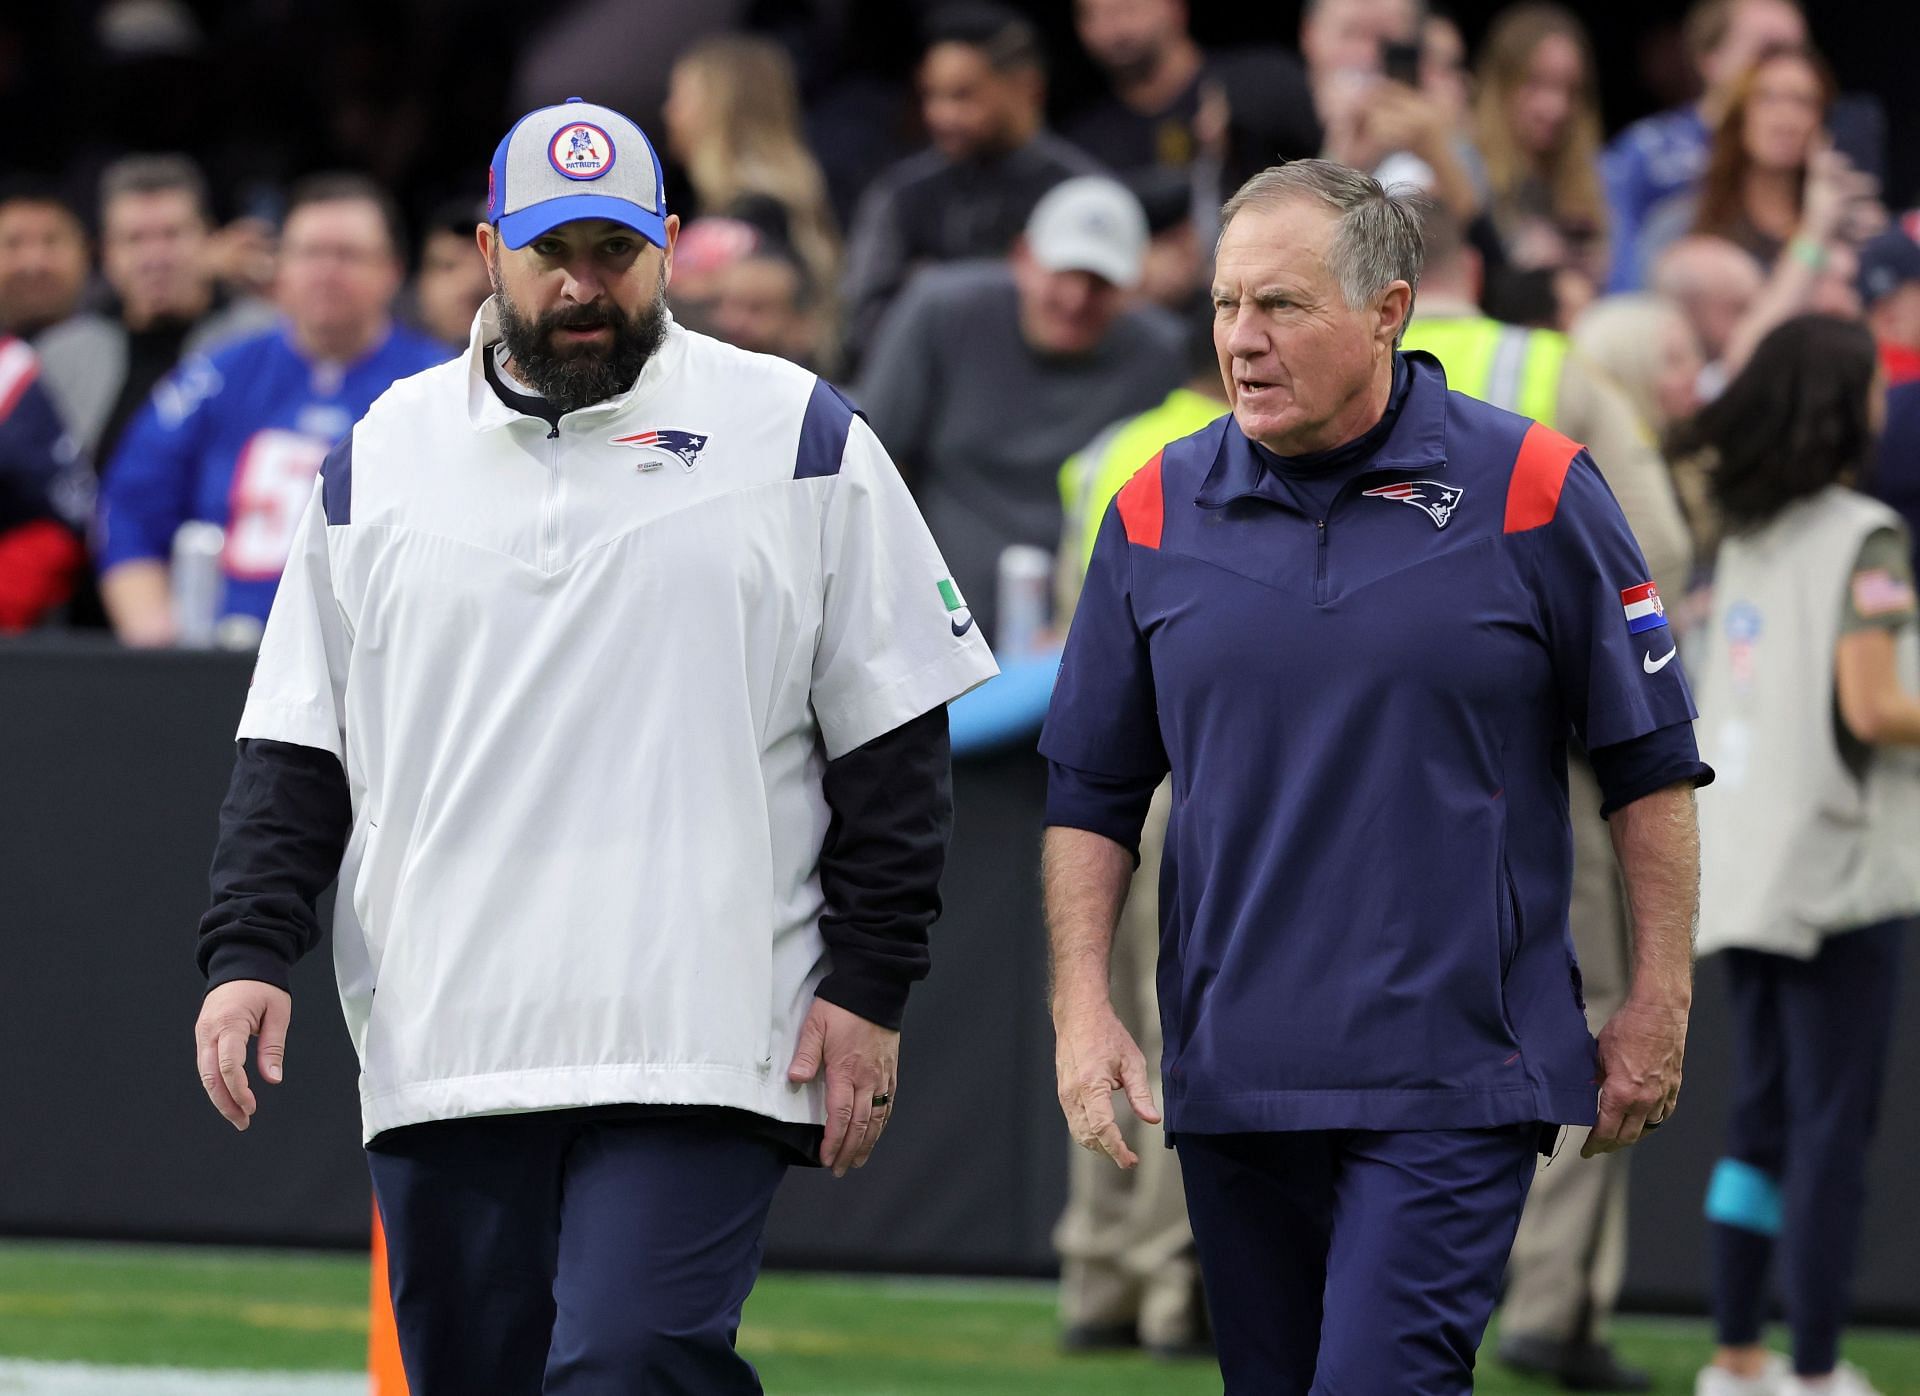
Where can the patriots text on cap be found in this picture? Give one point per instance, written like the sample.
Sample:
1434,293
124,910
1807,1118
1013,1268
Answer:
572,161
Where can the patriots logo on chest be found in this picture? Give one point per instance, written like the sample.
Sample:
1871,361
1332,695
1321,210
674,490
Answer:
683,446
1435,500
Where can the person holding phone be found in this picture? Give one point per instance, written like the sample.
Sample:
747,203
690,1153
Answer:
1366,64
1536,123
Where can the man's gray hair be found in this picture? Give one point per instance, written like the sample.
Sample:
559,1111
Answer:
1378,240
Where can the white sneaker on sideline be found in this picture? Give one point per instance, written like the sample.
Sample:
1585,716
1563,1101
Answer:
1847,1380
1772,1381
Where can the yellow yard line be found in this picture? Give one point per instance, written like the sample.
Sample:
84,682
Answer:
303,1317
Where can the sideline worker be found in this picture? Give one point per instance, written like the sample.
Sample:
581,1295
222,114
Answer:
1127,1271
609,673
1359,621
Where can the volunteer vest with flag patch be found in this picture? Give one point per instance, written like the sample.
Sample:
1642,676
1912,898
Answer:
1794,846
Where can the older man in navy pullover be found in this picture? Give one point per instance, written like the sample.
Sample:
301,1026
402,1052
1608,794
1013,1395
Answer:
1359,620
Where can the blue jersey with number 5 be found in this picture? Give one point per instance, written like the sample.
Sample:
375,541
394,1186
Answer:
236,438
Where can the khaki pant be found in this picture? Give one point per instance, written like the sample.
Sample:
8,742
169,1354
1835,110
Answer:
1126,1253
1571,1254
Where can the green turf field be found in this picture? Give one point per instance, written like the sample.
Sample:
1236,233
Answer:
153,1306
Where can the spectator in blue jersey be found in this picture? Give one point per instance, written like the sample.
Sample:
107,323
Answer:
983,101
236,437
45,496
1359,621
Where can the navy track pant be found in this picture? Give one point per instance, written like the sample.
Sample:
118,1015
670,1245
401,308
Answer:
1811,1041
574,1252
1353,1263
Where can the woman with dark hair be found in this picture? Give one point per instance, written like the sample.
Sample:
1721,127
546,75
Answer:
1810,845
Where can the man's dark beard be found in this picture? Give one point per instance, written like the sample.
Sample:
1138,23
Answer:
586,374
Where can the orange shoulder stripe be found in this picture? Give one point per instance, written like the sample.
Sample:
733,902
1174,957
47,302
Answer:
1142,505
1539,473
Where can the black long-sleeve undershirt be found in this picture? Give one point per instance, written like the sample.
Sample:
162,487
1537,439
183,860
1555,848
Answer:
283,830
880,865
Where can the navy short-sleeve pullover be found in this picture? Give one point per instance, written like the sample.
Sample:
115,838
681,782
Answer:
1366,717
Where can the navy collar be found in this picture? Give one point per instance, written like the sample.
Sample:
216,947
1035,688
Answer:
1417,442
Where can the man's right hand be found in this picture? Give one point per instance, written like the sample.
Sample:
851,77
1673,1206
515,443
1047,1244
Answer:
232,1013
1094,1056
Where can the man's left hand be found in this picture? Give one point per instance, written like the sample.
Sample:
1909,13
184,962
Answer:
1640,1051
862,1065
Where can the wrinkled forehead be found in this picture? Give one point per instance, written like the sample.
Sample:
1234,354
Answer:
1287,240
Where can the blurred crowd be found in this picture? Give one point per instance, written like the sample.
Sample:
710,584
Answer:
996,280
1012,284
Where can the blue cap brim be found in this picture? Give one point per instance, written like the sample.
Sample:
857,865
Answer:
519,229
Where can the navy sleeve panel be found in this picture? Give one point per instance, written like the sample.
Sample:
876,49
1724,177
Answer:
1104,717
1614,660
336,483
1114,807
1632,770
886,846
823,432
283,831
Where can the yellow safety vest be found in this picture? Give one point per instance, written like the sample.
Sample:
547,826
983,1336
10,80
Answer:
1093,475
1506,365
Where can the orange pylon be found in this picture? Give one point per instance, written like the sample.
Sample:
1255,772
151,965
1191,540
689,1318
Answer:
385,1376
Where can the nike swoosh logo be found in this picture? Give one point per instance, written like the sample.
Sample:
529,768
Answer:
958,628
1654,666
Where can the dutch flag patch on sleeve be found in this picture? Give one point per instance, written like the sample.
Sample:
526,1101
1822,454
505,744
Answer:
1643,607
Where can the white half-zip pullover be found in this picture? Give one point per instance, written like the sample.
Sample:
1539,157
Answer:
584,684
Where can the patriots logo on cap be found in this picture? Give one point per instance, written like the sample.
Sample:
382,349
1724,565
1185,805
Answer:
581,150
683,446
1435,500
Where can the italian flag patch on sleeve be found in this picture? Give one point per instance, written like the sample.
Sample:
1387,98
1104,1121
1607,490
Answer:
959,617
